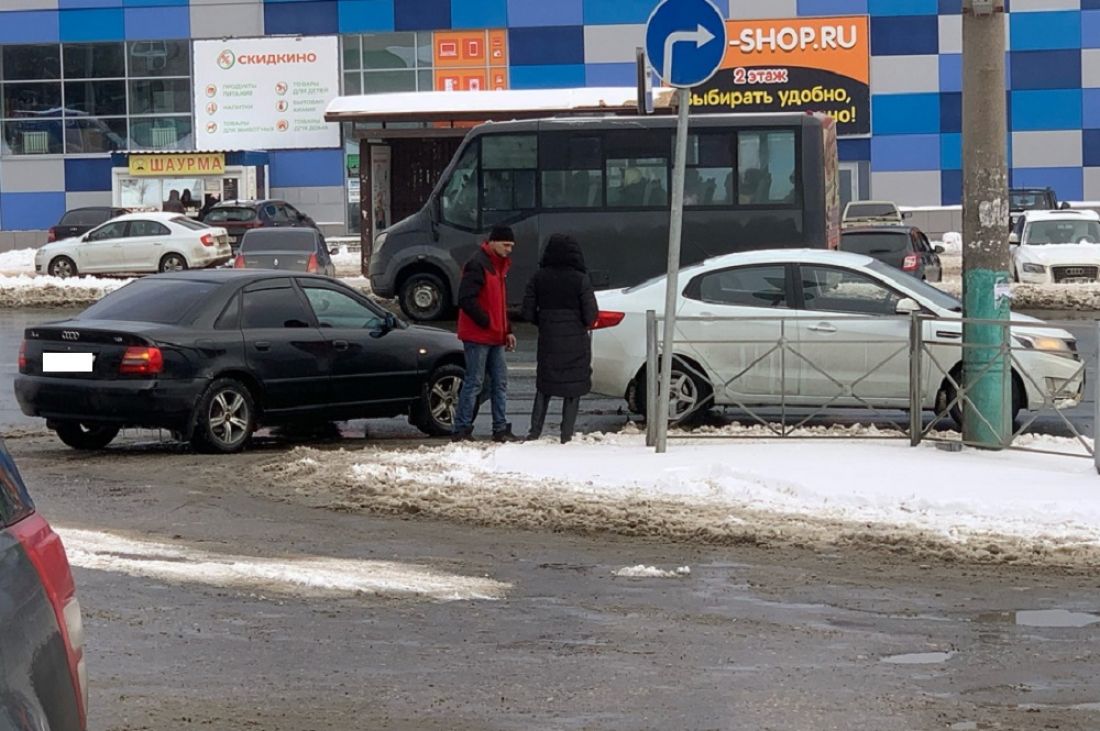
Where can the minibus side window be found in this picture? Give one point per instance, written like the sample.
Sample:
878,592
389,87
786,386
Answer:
460,192
509,165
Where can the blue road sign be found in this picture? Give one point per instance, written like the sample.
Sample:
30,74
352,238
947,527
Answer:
685,41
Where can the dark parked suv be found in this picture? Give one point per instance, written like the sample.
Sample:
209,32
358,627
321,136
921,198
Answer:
904,247
42,681
80,221
239,217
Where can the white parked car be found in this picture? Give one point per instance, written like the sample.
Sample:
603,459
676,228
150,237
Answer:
1055,247
845,319
858,213
136,243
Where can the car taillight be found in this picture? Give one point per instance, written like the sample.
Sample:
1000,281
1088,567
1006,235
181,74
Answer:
238,263
207,239
51,235
141,361
608,319
312,266
23,357
47,554
911,263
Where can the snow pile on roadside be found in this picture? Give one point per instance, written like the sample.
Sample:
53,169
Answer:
298,576
978,506
1071,297
642,571
347,263
26,291
952,243
17,261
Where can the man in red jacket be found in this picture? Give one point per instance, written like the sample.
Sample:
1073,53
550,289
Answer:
486,333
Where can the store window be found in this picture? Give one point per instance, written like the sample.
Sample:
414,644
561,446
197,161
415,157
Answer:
381,63
79,98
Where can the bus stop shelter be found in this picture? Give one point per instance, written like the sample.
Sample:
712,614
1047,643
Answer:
409,138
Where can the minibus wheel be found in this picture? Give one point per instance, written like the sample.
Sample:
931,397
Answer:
424,297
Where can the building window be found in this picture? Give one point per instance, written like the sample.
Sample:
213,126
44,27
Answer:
381,63
82,98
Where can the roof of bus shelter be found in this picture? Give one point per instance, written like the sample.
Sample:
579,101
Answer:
443,108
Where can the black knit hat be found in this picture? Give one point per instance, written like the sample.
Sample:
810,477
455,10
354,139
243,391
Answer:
502,233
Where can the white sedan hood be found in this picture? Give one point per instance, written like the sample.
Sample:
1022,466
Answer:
1058,254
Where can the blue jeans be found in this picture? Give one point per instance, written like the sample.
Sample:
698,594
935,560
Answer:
483,363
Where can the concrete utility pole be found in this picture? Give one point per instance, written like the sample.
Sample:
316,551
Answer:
985,226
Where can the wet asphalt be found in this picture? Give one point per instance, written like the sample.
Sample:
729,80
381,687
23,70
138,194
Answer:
754,638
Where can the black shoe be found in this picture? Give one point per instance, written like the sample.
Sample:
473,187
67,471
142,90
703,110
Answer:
506,435
463,435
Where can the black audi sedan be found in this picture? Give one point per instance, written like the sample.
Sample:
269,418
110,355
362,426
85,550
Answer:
212,354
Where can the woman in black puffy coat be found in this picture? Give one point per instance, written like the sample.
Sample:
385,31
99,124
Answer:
561,303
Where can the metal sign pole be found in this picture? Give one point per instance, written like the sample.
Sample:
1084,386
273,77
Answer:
672,283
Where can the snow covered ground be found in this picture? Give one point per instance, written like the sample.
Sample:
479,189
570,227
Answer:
971,505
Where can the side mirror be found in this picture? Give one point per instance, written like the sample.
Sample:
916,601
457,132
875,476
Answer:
334,251
1014,238
907,214
1064,206
907,306
389,322
939,249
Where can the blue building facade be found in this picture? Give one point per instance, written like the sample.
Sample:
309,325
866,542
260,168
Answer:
101,77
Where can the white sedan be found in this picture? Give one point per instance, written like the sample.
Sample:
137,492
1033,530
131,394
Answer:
845,321
136,243
1056,247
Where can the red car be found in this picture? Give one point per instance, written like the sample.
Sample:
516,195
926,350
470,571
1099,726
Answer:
43,684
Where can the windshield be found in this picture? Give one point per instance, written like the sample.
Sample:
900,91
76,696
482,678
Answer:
189,223
1027,200
874,244
922,289
871,210
217,215
1062,232
165,302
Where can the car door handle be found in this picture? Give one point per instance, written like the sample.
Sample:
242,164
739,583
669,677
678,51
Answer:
340,344
262,345
822,327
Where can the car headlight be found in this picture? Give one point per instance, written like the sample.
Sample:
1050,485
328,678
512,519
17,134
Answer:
1046,343
380,241
1035,268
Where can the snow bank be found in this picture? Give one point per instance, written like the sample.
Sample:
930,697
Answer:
297,576
1069,297
952,243
34,291
17,261
978,506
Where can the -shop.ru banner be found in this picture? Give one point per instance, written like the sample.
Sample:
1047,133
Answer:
795,65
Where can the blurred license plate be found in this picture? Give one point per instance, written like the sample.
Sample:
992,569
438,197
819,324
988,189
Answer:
67,362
